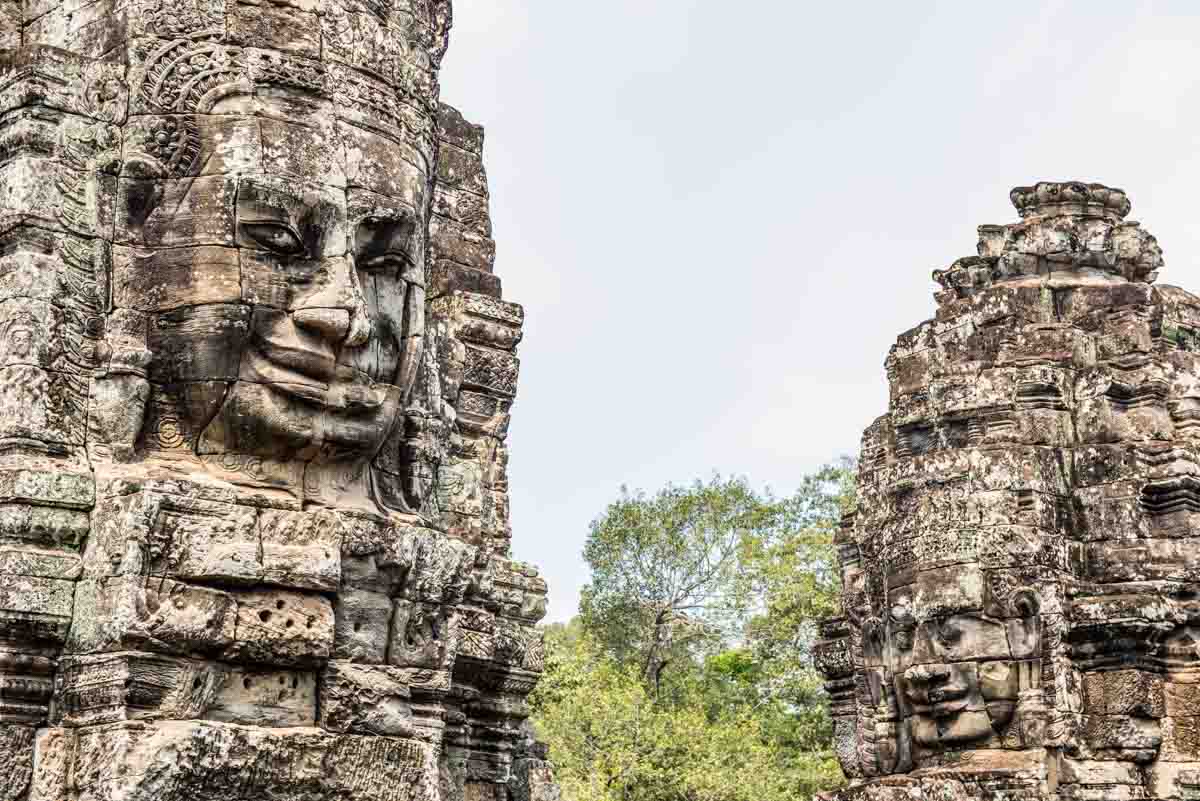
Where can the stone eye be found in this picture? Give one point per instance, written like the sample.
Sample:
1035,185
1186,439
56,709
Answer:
275,236
382,245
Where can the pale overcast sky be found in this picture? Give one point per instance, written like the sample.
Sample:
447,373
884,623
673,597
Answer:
718,215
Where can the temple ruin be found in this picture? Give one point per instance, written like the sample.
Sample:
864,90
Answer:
1021,589
255,382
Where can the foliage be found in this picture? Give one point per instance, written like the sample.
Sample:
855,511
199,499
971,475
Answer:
665,570
612,740
687,674
795,576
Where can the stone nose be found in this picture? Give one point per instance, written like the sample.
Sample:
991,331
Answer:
329,324
335,308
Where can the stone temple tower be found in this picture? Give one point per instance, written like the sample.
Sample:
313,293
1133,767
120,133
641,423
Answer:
1021,579
256,373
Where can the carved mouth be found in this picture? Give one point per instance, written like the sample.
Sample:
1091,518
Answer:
943,702
391,259
313,366
284,371
947,709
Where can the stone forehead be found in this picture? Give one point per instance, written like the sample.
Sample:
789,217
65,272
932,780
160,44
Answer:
951,590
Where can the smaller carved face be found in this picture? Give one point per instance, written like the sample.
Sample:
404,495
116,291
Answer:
328,332
21,341
1181,647
955,677
953,667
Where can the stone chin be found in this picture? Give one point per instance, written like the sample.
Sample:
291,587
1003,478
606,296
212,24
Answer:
964,727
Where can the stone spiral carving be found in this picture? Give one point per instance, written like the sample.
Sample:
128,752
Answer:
255,379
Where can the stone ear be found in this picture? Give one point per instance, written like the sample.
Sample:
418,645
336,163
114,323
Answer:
1024,627
1026,603
142,194
873,639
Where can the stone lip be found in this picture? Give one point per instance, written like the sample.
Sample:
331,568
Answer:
1058,198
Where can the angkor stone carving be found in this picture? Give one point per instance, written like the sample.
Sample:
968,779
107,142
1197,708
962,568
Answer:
255,378
1021,575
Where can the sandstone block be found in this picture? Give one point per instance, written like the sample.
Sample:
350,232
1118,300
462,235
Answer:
1124,692
362,625
113,687
273,698
301,550
161,615
282,628
366,699
183,759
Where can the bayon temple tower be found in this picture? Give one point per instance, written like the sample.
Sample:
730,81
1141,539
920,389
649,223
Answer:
255,381
256,374
1021,579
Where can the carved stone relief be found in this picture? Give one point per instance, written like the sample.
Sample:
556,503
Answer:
255,379
1019,578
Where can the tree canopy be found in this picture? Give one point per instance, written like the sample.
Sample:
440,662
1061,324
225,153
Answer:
687,674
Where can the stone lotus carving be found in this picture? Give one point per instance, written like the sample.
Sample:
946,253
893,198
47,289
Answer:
256,374
1020,577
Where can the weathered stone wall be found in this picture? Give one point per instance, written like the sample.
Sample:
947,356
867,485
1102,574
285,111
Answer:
1021,575
255,381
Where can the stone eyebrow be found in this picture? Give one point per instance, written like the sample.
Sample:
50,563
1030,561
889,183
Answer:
281,201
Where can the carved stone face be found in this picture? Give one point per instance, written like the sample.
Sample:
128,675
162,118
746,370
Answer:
953,667
284,282
339,301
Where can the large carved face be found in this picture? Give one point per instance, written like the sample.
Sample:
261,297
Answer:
281,272
955,669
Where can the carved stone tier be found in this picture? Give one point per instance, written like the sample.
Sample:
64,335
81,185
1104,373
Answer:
1020,578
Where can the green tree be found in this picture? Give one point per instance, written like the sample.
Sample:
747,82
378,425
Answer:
666,570
613,740
688,676
792,573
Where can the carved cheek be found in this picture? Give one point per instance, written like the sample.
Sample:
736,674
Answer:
396,310
998,685
998,680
